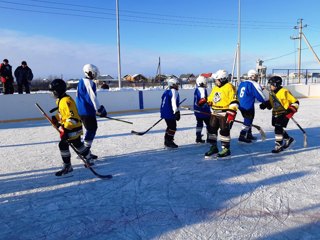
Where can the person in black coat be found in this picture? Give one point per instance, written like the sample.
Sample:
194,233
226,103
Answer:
6,77
23,76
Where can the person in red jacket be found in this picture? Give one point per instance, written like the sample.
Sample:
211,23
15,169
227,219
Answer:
6,77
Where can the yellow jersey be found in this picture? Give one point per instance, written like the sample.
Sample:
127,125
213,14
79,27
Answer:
68,117
223,98
281,100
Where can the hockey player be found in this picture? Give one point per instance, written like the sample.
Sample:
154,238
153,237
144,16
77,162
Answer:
248,91
88,104
200,104
283,105
169,111
69,124
224,106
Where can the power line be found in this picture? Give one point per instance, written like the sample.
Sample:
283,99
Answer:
137,18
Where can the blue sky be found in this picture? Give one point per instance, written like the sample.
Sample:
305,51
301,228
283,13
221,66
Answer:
58,37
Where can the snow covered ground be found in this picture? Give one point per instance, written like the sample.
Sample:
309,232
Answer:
158,193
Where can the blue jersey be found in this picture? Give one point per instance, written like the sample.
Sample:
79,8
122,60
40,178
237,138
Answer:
200,92
169,104
86,98
248,92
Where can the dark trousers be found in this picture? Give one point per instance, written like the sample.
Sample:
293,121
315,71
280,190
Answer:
200,124
24,84
171,129
77,144
8,87
91,126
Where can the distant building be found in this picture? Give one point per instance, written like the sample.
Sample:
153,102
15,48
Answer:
189,77
135,78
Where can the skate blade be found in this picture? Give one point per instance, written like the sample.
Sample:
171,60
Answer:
170,148
69,175
244,143
212,157
224,158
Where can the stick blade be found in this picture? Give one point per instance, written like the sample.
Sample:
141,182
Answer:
305,140
137,133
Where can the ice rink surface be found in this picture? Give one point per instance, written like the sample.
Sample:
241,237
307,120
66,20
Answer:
158,193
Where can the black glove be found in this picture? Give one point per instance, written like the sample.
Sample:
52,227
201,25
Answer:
177,115
263,106
102,111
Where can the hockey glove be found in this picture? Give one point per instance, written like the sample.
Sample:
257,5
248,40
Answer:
202,101
102,111
55,121
265,105
290,111
177,115
63,134
231,115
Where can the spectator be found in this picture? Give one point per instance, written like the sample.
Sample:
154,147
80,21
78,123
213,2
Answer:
24,77
6,77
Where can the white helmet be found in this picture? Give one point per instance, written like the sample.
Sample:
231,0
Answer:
172,81
91,71
252,73
222,76
201,81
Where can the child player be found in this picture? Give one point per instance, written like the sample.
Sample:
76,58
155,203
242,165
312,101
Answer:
283,105
169,111
70,127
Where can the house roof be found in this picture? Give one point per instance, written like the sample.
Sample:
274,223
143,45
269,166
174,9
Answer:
187,75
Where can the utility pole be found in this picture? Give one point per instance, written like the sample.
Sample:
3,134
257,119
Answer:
301,35
239,43
118,43
300,26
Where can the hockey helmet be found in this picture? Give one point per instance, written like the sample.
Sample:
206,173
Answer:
222,76
58,87
172,82
252,74
275,81
91,71
201,81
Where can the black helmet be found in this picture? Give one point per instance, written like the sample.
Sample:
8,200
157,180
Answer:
275,81
58,87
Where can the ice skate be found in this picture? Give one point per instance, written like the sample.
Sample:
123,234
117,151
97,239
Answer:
225,152
288,142
243,139
170,145
200,140
212,151
67,168
277,148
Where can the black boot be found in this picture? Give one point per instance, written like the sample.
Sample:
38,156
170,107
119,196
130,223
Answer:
288,142
200,140
278,147
67,168
170,144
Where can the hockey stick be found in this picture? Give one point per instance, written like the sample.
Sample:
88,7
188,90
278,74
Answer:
262,133
74,149
303,131
119,120
298,125
143,133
